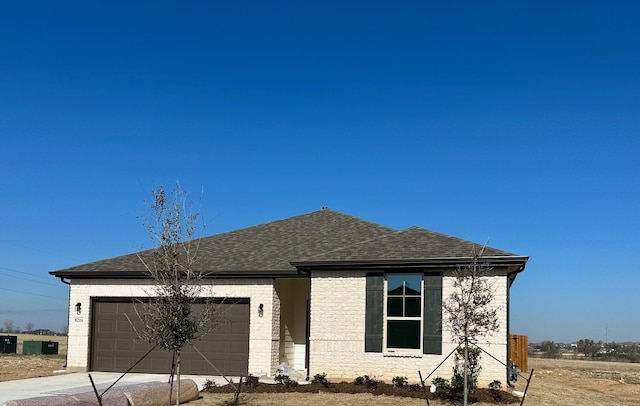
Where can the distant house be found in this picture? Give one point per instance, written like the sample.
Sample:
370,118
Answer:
324,292
42,332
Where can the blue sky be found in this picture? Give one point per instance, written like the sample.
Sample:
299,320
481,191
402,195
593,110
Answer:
513,123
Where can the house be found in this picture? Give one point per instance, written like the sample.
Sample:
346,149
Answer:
325,292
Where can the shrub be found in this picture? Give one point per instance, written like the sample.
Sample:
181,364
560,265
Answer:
373,384
321,379
441,383
399,381
367,381
286,381
208,384
361,380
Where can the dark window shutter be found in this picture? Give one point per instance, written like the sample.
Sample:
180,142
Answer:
374,313
432,317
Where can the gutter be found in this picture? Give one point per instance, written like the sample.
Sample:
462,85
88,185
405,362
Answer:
231,274
370,264
307,339
511,276
66,357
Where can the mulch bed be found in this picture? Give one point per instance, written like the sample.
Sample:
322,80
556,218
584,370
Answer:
412,391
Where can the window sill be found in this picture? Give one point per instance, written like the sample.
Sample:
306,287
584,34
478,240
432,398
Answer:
403,354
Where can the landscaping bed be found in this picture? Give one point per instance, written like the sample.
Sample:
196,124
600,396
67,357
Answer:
381,388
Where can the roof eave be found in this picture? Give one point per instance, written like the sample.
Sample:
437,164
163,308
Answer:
225,274
449,262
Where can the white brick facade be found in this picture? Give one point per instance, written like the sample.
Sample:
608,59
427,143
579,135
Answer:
338,332
262,336
337,327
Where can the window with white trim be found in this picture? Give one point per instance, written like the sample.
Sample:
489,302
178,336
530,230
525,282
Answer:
403,312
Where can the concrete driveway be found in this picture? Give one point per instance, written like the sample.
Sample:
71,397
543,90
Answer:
66,384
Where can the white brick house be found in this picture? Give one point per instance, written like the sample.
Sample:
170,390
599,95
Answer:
324,292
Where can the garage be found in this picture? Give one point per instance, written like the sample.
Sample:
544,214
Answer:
115,346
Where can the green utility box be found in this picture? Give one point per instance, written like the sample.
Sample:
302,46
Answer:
40,347
8,344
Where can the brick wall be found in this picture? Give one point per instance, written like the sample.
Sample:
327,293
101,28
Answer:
262,336
337,334
337,327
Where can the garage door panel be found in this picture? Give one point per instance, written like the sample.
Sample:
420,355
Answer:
162,365
235,348
124,344
105,345
121,364
106,325
238,327
139,345
234,364
124,327
116,347
109,309
198,365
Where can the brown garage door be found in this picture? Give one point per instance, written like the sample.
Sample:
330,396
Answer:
115,346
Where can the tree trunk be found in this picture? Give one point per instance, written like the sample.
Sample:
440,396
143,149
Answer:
178,375
172,376
466,371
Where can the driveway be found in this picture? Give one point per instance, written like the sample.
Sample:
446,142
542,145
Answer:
67,384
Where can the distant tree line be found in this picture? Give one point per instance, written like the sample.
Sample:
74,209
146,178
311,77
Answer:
10,327
586,348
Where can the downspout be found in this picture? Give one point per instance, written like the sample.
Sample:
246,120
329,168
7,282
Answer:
509,283
307,351
508,381
66,356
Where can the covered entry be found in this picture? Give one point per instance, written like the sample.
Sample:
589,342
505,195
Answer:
115,346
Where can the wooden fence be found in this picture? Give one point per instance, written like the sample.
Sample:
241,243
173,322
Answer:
518,350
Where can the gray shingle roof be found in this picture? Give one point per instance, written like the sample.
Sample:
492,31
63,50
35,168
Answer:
412,243
265,247
323,235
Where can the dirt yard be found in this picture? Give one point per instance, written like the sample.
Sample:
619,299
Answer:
588,383
18,366
555,383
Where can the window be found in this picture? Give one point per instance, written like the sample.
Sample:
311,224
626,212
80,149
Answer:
404,311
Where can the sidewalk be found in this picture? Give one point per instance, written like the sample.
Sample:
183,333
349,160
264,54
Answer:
66,384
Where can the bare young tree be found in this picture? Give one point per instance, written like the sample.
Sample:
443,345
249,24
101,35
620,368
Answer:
29,327
471,314
9,326
169,320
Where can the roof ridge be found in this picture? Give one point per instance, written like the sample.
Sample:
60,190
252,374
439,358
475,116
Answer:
278,221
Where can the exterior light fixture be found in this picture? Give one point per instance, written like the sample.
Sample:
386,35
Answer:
261,310
78,308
